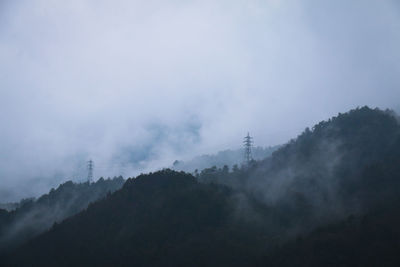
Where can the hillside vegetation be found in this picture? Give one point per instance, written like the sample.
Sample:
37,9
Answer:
330,197
33,217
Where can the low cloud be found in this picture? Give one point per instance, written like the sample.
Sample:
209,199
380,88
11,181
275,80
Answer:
135,85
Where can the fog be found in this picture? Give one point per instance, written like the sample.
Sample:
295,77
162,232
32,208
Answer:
135,85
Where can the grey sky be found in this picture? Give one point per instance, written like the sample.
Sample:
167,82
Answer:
136,84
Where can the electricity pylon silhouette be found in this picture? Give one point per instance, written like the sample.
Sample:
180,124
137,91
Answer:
90,166
248,142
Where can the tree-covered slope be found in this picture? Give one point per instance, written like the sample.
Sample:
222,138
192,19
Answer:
369,240
33,217
222,158
343,166
313,201
161,219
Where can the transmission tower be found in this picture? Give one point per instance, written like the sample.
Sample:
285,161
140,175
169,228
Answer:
90,166
248,142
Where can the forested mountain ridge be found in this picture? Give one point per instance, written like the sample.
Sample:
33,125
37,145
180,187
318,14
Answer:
165,218
369,240
340,167
9,206
33,217
222,158
334,187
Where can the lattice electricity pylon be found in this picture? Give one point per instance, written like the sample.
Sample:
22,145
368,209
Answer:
90,166
248,142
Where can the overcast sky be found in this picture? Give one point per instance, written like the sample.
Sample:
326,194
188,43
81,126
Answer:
135,85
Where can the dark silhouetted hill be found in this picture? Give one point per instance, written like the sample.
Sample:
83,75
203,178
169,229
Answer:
369,240
165,218
330,197
33,217
346,165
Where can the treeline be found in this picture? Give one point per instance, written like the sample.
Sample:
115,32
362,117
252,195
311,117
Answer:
329,197
228,158
34,216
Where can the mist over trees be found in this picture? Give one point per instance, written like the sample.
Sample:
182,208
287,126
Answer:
34,216
222,158
160,96
341,167
331,196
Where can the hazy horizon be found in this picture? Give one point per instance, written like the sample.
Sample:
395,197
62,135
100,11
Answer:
135,85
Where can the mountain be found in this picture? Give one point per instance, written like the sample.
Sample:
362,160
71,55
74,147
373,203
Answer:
165,218
369,240
222,158
342,166
329,197
32,217
9,206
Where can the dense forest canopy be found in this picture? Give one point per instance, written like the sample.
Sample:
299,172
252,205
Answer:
34,216
331,196
223,158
